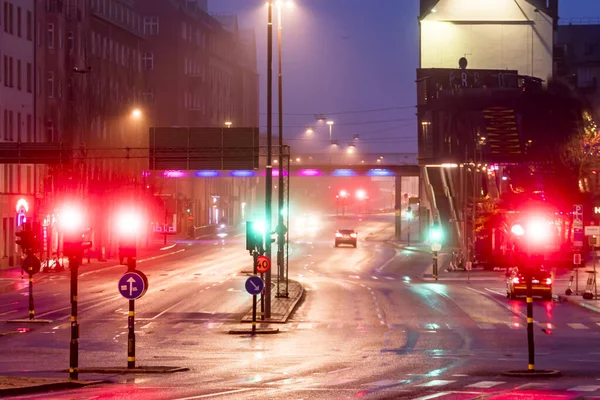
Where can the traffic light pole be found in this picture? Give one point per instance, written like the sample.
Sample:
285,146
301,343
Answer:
74,345
530,344
435,265
31,309
254,261
131,322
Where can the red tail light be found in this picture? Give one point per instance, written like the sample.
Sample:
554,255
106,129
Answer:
353,235
515,280
337,234
548,281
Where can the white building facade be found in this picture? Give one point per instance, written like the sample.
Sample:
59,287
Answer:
490,34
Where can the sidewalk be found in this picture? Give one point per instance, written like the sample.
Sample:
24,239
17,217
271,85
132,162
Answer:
16,386
561,283
281,307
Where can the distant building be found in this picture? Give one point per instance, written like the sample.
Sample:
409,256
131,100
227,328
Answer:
577,58
18,183
199,72
500,34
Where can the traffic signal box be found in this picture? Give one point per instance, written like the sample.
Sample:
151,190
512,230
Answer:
74,246
409,213
28,239
127,250
254,237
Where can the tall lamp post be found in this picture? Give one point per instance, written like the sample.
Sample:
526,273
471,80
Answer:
269,166
280,220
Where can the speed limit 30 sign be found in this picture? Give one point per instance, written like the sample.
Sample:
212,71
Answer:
262,264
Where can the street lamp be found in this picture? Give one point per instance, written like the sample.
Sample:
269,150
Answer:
351,149
330,123
228,124
310,131
136,113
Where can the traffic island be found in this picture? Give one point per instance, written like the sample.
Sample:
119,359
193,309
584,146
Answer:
16,386
281,307
533,373
136,370
29,321
258,331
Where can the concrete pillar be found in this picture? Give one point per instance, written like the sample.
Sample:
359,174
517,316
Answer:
398,206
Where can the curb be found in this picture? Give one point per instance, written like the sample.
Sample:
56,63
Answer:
404,247
46,387
539,373
29,321
258,331
136,370
580,303
285,317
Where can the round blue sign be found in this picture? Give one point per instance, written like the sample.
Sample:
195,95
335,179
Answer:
254,285
132,285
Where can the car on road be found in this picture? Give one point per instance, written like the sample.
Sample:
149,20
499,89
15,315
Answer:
516,285
346,236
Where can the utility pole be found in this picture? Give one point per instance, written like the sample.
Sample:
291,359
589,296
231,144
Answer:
280,220
269,166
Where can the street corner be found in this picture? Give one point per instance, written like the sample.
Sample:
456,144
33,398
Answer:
16,386
592,305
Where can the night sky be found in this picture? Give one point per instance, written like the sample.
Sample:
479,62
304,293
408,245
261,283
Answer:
342,56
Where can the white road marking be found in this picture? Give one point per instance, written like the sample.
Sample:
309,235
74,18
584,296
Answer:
433,396
436,382
577,325
167,309
486,326
584,388
484,384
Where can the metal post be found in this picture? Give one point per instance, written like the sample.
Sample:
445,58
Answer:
595,287
31,309
530,346
74,344
255,259
131,264
165,227
435,265
280,223
408,232
269,167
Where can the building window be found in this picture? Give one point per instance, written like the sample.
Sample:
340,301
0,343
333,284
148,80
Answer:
11,125
6,70
11,19
50,86
18,74
60,37
148,61
18,127
19,12
29,128
150,26
5,16
39,35
50,36
71,43
590,48
49,131
5,124
11,71
29,26
29,78
183,30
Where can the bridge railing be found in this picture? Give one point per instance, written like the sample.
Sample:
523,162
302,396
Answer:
354,159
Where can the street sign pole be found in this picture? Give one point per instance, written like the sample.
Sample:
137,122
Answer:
435,265
131,322
530,344
74,344
255,261
31,309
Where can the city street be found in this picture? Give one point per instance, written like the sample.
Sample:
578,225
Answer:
369,326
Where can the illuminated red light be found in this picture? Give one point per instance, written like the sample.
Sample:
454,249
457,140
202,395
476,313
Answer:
515,280
129,222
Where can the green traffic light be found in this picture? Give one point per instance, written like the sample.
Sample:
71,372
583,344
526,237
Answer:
259,227
436,235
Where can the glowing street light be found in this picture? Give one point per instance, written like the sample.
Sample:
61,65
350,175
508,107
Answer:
361,194
310,131
343,193
228,124
136,113
351,149
330,123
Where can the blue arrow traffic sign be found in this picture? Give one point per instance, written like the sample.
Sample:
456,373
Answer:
254,285
132,286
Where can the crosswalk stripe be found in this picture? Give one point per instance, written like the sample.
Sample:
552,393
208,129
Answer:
577,325
485,384
486,326
436,382
305,326
584,388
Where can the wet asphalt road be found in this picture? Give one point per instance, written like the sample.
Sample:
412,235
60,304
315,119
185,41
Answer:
369,326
